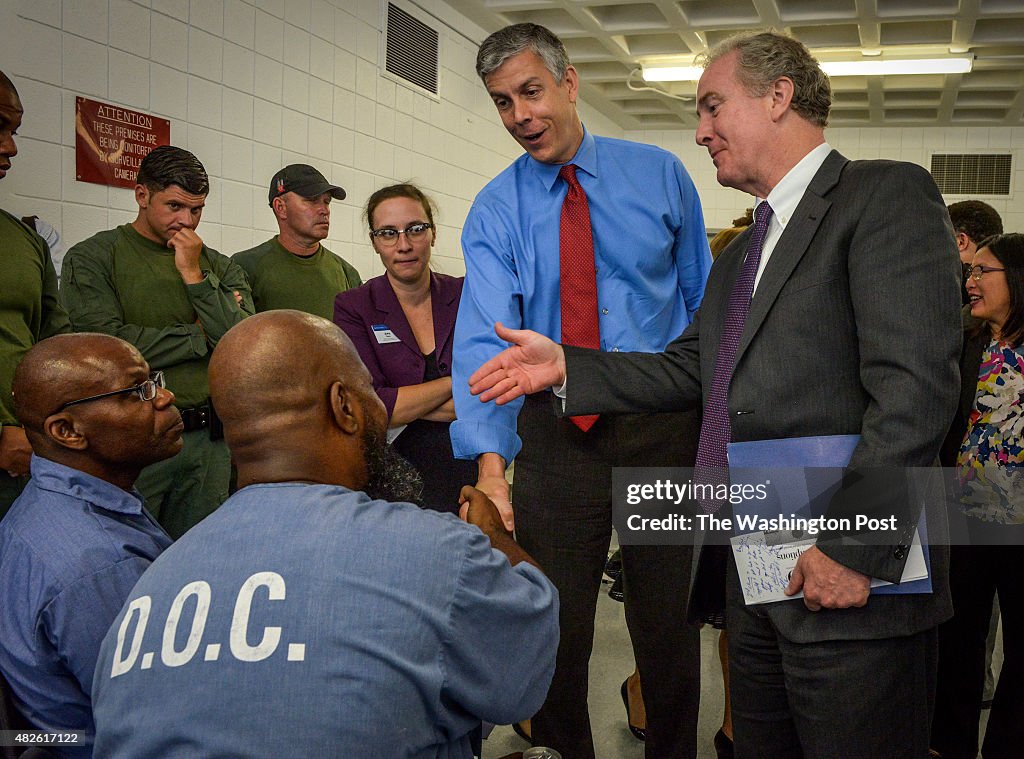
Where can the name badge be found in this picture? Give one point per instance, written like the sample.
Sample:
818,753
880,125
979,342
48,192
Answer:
384,335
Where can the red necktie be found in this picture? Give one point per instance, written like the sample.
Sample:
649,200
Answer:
578,275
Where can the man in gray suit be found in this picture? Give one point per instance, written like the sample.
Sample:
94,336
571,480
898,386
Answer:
847,325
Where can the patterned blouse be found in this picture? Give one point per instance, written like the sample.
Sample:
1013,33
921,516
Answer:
991,459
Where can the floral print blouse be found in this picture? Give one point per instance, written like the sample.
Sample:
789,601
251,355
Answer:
991,459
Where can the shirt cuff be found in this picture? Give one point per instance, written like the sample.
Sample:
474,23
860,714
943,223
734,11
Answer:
210,281
560,392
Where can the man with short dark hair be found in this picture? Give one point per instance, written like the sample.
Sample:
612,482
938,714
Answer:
156,284
78,537
29,311
293,269
324,623
974,221
799,336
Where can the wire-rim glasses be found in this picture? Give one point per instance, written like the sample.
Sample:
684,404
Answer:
388,236
978,271
145,390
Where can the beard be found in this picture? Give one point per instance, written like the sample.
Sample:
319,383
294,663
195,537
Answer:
391,477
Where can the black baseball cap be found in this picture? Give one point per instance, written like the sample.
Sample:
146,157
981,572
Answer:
304,180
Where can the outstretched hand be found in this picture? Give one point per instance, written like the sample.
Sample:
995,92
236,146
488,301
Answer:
533,363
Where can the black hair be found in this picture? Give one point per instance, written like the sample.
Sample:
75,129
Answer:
1009,251
975,219
167,165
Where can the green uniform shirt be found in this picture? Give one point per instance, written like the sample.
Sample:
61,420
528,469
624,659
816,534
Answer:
281,279
122,284
29,311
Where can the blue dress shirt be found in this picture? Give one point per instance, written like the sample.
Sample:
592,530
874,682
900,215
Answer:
650,249
71,549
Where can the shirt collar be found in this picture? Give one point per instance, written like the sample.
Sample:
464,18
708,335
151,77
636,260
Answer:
786,195
585,160
57,478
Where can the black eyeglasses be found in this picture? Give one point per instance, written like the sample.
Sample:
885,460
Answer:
389,237
978,271
145,390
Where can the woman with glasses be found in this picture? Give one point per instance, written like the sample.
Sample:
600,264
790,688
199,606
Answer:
986,445
402,324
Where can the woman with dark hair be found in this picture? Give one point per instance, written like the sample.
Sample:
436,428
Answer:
986,445
402,324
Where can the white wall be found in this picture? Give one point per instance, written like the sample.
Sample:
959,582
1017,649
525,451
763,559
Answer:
250,86
722,205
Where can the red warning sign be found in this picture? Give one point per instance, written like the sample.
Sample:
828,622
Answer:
111,141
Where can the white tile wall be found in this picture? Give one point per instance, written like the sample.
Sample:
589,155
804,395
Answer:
239,22
169,41
44,11
915,145
207,15
129,27
250,85
85,66
86,18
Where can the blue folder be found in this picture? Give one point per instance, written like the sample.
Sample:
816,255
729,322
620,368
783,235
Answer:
822,458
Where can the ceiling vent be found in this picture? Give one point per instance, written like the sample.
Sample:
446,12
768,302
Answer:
411,50
972,173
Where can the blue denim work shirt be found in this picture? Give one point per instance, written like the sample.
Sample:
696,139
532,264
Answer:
71,549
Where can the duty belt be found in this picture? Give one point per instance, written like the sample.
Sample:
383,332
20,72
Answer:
196,418
202,417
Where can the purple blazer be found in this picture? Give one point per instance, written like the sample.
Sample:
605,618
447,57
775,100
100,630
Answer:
396,364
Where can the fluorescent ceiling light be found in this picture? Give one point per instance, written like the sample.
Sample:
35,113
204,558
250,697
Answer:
672,73
891,67
834,68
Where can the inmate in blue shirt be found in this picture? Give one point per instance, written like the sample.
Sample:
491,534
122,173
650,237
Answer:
307,620
650,249
71,548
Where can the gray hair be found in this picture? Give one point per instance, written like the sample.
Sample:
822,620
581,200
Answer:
513,40
764,57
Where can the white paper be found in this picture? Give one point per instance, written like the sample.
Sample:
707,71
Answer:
764,569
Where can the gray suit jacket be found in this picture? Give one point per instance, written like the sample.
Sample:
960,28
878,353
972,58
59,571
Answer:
854,329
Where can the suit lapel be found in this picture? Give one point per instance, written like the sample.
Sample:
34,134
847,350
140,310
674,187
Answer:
792,246
391,313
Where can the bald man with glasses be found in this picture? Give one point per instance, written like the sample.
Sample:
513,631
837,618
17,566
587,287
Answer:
77,539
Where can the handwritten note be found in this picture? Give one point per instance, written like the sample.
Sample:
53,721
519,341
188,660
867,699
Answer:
764,568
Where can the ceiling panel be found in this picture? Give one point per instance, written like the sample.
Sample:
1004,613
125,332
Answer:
608,39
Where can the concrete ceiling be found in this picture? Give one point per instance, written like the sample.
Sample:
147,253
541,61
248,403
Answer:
608,39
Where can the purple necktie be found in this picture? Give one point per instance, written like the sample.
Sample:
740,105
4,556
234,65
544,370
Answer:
715,429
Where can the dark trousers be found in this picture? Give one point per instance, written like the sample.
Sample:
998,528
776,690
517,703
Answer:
837,699
975,574
562,501
10,489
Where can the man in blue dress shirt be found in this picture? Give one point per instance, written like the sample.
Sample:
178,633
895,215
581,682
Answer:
651,258
77,539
